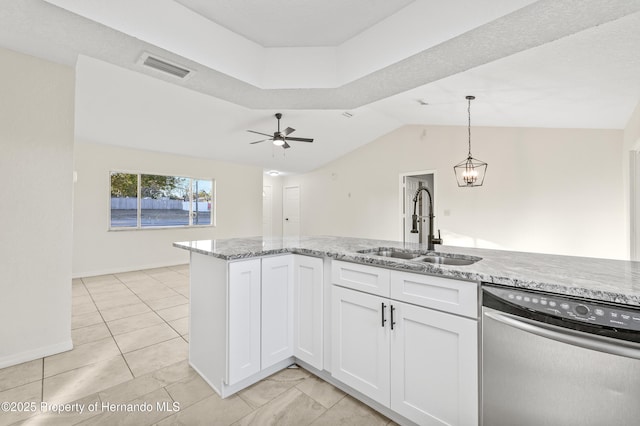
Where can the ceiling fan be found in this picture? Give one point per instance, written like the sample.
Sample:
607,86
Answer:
280,138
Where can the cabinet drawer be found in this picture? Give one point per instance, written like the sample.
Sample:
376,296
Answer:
445,294
361,277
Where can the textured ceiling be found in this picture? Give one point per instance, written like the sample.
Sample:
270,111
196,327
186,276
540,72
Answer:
586,80
549,63
287,23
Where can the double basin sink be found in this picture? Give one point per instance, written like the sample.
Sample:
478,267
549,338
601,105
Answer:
423,256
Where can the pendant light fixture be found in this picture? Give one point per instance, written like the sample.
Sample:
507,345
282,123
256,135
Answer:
470,172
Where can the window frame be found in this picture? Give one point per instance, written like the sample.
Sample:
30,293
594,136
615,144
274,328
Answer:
139,226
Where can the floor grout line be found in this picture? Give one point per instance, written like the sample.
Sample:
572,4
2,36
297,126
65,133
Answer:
152,310
156,312
110,333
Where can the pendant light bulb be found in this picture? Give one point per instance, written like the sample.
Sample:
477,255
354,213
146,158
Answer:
470,174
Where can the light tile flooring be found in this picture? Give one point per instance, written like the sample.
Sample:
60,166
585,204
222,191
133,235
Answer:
129,366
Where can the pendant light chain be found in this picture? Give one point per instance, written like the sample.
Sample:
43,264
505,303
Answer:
469,99
469,114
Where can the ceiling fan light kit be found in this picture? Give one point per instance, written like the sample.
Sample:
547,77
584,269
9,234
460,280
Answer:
280,138
470,172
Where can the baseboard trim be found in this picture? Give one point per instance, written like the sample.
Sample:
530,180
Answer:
121,270
225,390
36,353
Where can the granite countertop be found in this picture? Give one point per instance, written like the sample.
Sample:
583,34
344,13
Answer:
598,279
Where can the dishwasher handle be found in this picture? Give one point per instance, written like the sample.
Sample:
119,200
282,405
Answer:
568,336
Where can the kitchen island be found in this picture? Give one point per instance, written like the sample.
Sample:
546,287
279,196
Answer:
616,281
399,334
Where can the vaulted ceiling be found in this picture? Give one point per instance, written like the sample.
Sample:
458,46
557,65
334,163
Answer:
548,63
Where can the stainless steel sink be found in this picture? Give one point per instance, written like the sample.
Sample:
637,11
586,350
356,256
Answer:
423,256
396,254
448,260
390,252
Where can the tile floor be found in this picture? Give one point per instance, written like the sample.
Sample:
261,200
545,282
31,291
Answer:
129,366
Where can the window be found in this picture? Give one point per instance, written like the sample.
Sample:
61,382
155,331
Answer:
156,201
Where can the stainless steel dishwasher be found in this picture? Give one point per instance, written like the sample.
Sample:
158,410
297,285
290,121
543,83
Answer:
558,361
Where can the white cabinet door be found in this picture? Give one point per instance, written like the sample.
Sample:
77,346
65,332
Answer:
243,357
308,306
434,366
277,309
360,342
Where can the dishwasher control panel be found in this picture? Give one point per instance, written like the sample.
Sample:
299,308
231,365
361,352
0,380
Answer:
574,309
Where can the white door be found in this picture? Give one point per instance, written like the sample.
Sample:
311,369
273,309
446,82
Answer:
360,342
434,366
277,309
243,358
267,211
308,306
291,211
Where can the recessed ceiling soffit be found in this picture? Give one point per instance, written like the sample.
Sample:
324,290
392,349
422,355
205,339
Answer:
531,26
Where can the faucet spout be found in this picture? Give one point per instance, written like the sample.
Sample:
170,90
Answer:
431,239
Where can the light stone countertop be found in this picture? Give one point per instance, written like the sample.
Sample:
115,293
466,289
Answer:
606,280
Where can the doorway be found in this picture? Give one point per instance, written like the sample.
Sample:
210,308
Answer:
409,184
291,211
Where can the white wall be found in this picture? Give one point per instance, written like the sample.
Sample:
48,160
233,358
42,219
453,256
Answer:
36,157
275,182
547,190
96,250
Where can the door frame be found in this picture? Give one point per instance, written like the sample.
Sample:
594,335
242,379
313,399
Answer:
634,208
401,200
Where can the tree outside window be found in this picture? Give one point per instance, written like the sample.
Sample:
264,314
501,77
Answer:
145,200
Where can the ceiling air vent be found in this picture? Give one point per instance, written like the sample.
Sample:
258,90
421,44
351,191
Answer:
164,66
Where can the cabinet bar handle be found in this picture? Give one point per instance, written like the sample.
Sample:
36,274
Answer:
383,319
392,321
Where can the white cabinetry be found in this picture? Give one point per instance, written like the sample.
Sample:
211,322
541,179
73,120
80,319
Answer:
361,277
277,309
444,294
360,343
249,317
421,363
307,310
434,366
260,315
244,320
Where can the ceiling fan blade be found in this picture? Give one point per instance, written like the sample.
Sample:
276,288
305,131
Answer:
263,140
288,131
260,133
300,139
286,145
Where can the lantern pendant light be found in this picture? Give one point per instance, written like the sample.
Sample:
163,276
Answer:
470,172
